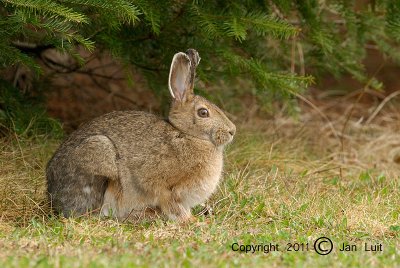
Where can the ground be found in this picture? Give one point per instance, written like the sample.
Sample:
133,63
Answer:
331,171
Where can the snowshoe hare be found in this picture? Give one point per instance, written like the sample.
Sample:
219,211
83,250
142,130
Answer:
122,163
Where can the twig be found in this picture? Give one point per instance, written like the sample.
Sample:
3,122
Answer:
293,55
127,217
113,94
351,112
319,112
380,106
301,59
322,170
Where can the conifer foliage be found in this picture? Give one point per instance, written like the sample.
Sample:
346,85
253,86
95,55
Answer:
262,42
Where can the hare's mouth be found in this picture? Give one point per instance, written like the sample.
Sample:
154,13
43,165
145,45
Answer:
222,137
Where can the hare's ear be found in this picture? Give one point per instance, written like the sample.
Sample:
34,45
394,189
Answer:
180,76
194,60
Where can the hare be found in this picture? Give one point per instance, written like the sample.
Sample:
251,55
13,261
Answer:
125,162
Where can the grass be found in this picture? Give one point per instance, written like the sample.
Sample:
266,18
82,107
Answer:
285,181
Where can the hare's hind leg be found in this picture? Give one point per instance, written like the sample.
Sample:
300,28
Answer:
97,156
79,176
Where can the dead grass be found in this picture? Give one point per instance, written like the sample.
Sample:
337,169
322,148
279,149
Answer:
286,180
22,182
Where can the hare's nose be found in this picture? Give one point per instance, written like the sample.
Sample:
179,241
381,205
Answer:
232,131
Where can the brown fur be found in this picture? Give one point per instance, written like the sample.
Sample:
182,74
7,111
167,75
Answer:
124,163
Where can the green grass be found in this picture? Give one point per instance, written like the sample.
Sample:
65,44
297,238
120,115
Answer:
283,183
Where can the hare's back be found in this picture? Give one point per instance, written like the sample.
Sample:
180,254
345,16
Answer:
131,132
118,132
127,126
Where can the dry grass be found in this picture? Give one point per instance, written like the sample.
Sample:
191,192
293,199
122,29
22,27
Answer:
22,182
286,180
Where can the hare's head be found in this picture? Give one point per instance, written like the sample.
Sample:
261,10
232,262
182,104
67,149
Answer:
192,114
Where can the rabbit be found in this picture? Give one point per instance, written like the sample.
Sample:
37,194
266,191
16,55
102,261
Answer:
125,162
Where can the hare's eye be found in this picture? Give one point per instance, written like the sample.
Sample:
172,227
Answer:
203,112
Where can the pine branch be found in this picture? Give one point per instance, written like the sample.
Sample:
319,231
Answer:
126,11
237,25
152,13
49,8
393,19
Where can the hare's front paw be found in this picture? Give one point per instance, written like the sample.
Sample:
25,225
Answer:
176,212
